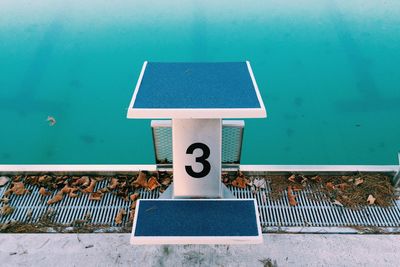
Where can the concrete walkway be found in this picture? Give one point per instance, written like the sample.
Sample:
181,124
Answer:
281,249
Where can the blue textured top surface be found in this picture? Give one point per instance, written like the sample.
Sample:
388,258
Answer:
196,85
196,218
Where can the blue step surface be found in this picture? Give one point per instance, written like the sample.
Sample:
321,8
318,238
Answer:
196,221
196,89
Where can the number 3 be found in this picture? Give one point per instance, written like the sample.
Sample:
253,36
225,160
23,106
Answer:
201,159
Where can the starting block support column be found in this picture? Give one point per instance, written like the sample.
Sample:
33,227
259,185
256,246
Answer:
197,158
196,96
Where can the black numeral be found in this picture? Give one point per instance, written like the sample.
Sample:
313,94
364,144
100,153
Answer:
202,159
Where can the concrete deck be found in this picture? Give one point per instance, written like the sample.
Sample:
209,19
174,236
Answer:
282,249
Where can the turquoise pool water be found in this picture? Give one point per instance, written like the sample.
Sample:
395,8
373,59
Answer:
328,72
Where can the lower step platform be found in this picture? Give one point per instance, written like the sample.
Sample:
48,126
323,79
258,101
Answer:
196,221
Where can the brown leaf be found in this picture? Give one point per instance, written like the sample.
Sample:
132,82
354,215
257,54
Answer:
113,183
291,197
19,188
358,181
42,178
4,200
44,192
239,182
316,179
6,209
342,186
337,202
297,187
104,190
120,215
66,189
292,178
90,188
73,193
371,200
141,180
8,192
329,186
134,196
166,181
58,197
152,183
96,196
132,215
133,205
83,181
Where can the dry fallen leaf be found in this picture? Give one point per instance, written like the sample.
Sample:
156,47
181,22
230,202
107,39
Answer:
133,205
292,178
4,200
291,197
132,215
141,180
330,186
44,192
371,199
8,192
44,179
166,181
358,181
240,182
83,181
134,196
19,188
66,189
316,178
4,180
90,188
120,215
6,209
260,183
58,197
342,186
297,187
104,190
113,183
336,202
152,183
73,193
96,196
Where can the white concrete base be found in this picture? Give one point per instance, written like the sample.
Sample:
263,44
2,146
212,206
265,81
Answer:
114,250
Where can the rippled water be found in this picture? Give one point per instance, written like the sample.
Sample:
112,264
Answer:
328,72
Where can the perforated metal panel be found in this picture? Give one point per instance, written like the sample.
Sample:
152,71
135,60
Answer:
232,136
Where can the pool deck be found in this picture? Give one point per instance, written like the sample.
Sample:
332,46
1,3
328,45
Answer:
283,249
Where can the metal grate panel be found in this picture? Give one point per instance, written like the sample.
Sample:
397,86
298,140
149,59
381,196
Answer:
317,212
232,135
312,210
70,210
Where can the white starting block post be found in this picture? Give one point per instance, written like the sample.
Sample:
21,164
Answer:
196,96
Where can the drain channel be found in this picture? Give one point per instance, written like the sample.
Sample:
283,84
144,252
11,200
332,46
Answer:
311,211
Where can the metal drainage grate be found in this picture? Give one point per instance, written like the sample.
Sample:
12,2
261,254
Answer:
69,209
315,212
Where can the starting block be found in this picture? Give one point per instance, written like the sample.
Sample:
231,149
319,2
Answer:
196,96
